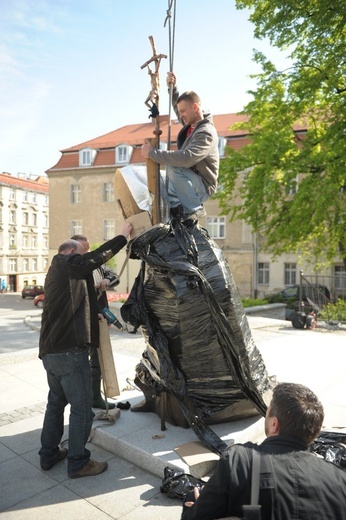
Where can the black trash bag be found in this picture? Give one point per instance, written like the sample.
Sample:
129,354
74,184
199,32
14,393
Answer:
177,484
298,320
332,447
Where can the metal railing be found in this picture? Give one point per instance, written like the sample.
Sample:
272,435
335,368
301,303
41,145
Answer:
335,284
318,291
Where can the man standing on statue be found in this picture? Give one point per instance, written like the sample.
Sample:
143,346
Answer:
193,168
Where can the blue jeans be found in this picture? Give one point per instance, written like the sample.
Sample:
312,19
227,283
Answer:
185,188
69,381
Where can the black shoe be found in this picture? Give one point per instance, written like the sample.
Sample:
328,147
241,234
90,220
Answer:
124,406
61,455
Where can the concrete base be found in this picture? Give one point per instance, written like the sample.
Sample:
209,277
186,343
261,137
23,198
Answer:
137,437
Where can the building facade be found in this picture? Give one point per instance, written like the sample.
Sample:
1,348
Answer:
24,231
82,200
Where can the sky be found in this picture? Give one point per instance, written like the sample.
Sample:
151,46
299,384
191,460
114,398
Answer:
70,70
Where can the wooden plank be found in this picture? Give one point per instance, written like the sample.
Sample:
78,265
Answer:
154,185
106,358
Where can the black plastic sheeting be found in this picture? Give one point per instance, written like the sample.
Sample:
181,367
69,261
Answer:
199,345
331,446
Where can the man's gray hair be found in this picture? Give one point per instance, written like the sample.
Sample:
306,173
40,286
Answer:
67,245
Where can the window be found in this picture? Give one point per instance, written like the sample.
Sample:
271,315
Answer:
12,194
46,200
34,264
12,242
45,241
263,273
163,146
25,218
34,197
216,227
122,154
45,263
25,264
290,273
13,265
25,196
25,241
108,192
33,242
45,220
222,145
75,194
76,227
340,277
34,219
108,229
12,216
86,156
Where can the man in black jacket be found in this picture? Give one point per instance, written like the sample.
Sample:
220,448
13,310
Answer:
103,278
301,485
69,328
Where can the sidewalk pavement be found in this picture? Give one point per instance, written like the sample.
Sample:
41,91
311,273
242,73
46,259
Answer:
134,446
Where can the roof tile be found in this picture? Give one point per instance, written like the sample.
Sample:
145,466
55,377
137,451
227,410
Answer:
40,184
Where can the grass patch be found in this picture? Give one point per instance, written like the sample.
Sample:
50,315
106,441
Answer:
252,302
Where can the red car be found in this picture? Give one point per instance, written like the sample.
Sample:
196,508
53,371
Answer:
38,301
30,291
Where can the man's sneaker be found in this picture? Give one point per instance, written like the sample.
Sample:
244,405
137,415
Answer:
61,455
92,468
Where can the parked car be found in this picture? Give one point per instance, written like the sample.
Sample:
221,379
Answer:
30,291
38,301
314,296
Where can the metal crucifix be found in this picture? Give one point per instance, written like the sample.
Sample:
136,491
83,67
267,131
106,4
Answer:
152,102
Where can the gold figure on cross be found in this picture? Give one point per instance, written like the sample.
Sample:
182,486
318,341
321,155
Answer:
152,100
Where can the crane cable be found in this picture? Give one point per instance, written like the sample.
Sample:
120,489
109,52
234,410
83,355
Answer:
171,36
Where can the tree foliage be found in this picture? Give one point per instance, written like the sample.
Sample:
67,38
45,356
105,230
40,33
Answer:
308,216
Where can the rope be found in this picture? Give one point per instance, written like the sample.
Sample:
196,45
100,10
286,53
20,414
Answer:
128,253
171,37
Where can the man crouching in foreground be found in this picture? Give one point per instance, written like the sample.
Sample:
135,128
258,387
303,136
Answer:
294,483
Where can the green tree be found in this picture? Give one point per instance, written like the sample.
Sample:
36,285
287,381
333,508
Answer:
259,182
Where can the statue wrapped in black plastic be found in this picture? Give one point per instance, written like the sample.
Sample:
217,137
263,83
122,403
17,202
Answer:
201,365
